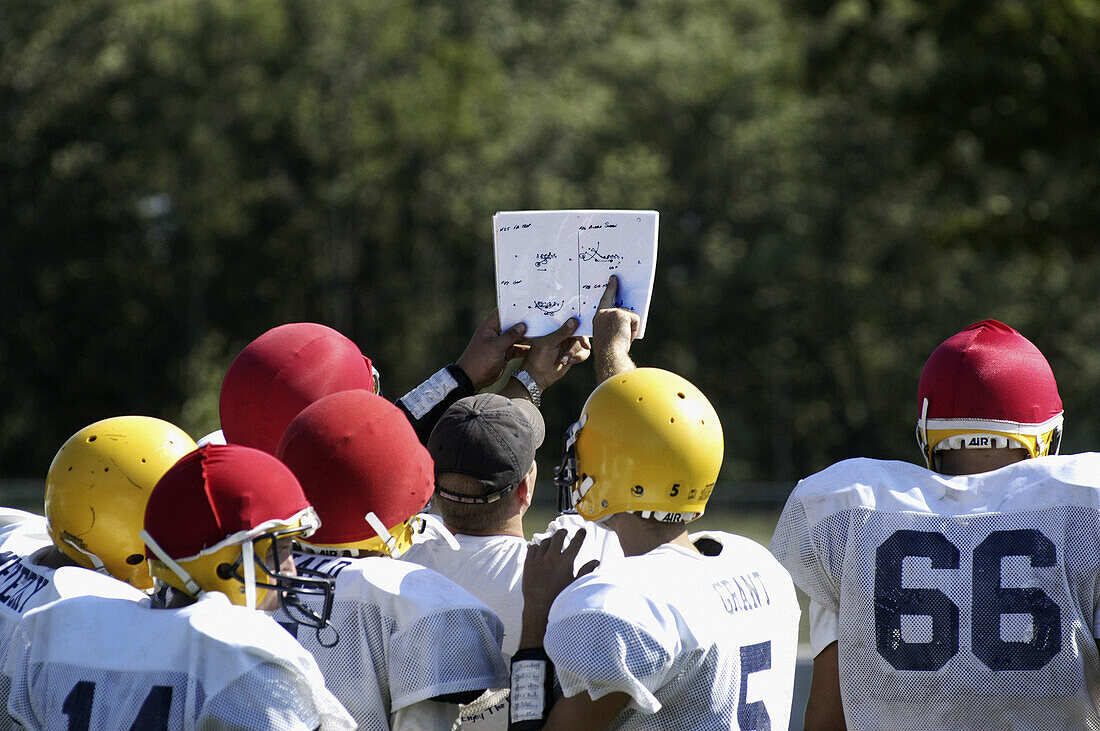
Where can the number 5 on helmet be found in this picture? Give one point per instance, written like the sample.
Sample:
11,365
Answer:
647,442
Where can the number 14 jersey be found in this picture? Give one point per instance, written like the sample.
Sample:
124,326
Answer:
957,602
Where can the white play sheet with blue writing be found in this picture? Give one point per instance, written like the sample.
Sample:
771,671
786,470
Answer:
553,265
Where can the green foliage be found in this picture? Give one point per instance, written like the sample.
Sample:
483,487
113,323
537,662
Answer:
841,186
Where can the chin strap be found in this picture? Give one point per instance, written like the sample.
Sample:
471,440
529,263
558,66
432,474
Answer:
249,561
922,434
97,565
443,530
388,541
192,587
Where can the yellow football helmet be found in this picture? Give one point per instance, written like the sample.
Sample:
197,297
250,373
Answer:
97,488
647,442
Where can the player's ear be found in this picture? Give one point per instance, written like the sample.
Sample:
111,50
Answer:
525,491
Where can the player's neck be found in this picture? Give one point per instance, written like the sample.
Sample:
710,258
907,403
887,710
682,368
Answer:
975,461
511,527
171,598
638,535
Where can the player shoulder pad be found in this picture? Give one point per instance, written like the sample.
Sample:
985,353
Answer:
850,475
14,518
403,590
72,581
614,591
868,483
246,630
1069,469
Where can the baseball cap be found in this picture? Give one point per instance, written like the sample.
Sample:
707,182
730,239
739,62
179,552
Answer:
490,438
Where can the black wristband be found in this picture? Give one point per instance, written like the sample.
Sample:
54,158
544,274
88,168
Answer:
464,383
532,683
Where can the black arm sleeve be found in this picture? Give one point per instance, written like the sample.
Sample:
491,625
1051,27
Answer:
426,403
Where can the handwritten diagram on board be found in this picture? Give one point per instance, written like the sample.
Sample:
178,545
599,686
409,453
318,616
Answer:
553,265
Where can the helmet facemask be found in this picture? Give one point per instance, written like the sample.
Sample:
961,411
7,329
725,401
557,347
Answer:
565,474
289,587
232,570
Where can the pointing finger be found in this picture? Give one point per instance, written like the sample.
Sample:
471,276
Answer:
610,293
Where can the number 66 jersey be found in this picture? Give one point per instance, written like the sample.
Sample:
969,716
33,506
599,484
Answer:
956,602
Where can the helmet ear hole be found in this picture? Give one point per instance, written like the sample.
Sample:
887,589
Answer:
225,571
135,558
673,438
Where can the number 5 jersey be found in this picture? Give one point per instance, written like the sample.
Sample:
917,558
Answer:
701,640
956,602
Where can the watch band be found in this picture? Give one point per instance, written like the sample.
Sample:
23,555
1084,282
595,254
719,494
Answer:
532,387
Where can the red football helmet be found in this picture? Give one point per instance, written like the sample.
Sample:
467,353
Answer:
988,386
283,371
363,468
213,518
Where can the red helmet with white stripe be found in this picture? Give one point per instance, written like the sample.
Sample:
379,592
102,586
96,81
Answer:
988,386
217,515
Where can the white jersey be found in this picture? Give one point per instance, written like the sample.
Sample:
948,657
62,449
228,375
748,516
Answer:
697,641
25,586
21,532
963,602
491,567
400,634
106,663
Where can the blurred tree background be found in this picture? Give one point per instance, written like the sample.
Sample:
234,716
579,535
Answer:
842,184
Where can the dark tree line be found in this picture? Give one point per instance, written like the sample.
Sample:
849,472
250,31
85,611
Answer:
841,186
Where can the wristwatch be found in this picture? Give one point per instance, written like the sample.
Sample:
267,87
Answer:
532,388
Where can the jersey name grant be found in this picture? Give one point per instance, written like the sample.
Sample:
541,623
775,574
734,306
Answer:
697,641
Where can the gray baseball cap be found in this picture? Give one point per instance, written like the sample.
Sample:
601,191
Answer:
490,438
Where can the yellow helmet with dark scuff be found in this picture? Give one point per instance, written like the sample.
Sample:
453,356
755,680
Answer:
97,488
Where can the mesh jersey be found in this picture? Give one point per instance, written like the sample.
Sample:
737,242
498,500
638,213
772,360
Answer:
491,568
25,586
106,663
697,641
404,634
957,602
